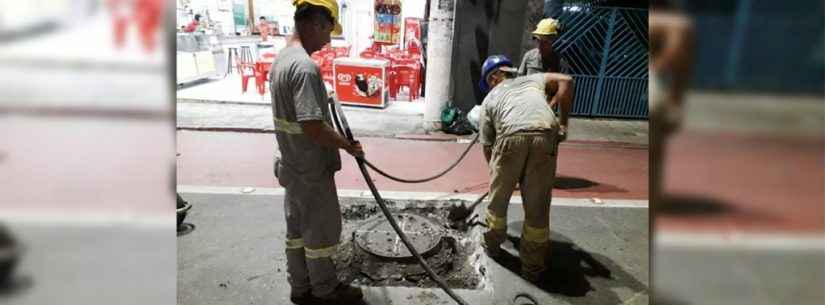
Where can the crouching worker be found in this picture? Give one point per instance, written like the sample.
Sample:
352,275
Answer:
520,133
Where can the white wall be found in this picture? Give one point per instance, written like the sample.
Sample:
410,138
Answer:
413,8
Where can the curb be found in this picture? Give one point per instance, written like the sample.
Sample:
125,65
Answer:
422,137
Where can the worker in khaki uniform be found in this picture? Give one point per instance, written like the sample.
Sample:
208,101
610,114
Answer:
520,133
544,58
309,158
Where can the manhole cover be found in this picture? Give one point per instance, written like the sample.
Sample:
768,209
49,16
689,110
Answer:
377,237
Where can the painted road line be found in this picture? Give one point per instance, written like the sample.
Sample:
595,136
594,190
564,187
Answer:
803,242
396,195
89,219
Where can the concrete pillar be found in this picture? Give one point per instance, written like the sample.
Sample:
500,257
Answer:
535,12
439,62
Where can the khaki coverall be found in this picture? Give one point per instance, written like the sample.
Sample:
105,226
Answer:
516,120
306,170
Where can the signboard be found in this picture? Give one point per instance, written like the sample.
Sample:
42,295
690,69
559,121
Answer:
387,21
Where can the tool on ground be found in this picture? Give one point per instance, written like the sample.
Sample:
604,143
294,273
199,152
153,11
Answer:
459,214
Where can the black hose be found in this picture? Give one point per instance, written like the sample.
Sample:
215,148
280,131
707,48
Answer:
361,165
475,140
348,133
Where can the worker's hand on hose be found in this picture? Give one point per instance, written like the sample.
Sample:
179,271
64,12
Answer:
355,149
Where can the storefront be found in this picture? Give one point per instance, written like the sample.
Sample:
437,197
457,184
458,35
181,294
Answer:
380,35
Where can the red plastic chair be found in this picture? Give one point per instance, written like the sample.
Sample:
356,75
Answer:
367,54
375,47
342,52
256,71
247,71
318,59
326,73
414,46
262,76
328,58
405,75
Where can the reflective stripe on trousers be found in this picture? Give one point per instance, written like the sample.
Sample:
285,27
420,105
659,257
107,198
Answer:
496,223
294,243
533,234
325,252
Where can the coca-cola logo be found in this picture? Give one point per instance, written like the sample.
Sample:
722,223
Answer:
343,77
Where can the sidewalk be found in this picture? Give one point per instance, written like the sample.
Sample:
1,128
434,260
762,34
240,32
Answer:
399,120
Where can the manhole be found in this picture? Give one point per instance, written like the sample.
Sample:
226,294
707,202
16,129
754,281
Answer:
377,237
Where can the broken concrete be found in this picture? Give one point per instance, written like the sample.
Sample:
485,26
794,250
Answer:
455,255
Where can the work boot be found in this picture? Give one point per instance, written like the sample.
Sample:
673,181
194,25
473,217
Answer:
305,298
343,294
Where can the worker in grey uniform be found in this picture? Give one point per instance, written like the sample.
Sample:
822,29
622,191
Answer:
520,133
309,158
544,58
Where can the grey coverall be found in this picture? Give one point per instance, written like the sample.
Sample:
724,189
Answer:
306,170
517,121
531,63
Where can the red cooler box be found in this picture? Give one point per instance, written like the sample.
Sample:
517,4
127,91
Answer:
360,81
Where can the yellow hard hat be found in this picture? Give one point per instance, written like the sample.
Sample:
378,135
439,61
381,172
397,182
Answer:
330,5
547,26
